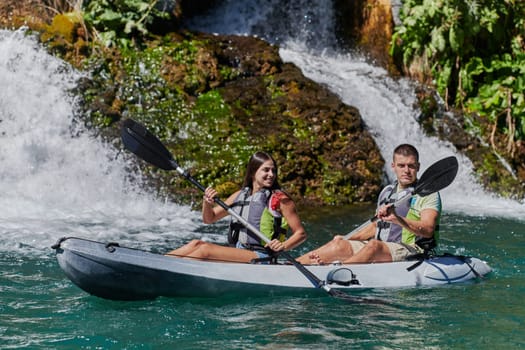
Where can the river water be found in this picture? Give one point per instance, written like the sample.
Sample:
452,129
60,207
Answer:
58,179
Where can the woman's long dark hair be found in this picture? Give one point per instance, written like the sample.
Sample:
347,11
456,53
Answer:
255,162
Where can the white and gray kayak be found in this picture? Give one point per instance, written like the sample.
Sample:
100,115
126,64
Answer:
113,272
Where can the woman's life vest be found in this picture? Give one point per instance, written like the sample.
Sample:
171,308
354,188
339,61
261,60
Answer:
260,210
409,207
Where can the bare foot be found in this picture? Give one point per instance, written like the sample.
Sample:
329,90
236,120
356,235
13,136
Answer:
315,259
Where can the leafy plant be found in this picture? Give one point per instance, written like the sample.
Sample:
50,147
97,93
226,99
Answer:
473,52
122,22
500,94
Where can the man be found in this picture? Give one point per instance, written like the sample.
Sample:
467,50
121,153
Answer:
402,230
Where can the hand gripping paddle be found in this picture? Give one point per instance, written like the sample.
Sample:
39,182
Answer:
438,176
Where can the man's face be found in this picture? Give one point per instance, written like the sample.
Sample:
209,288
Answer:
405,168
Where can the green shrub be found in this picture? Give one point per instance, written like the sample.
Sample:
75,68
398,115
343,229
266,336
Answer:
473,52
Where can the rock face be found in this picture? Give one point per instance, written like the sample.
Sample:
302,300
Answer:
367,25
327,155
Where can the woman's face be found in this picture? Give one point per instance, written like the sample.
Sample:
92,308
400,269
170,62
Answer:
265,175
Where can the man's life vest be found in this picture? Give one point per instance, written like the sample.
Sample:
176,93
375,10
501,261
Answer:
257,209
389,232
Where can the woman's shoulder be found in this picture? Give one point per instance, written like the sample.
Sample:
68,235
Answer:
283,196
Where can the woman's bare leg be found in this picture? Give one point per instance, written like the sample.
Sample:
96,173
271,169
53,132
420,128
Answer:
186,249
208,251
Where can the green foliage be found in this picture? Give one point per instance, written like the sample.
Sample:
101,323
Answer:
146,85
217,140
475,54
121,22
274,90
147,95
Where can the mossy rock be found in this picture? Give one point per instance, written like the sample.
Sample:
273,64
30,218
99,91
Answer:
215,100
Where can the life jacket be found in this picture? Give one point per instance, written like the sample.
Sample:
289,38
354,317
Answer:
257,209
389,232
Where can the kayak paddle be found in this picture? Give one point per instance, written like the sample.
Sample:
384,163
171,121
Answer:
438,176
141,142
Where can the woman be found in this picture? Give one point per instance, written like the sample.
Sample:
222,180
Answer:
262,203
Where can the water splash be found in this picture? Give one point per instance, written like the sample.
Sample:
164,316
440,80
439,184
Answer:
307,21
56,178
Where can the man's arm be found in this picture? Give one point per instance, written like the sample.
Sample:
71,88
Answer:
424,227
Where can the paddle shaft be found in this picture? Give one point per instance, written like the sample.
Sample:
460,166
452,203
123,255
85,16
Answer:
404,197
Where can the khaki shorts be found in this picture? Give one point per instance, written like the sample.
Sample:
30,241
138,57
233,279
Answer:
398,251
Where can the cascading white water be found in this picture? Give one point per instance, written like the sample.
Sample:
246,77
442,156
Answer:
309,22
386,105
55,178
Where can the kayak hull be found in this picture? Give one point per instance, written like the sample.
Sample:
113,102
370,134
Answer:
112,272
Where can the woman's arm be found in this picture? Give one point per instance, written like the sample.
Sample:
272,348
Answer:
289,212
211,212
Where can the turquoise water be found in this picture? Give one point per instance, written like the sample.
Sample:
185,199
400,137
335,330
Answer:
41,309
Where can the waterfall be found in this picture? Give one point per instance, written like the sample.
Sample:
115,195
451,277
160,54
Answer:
386,105
57,179
309,22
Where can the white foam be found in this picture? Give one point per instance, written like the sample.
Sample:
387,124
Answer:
56,178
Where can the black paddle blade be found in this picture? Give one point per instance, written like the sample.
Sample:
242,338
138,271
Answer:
144,144
438,176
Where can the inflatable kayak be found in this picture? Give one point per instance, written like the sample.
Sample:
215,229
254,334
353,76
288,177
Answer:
113,272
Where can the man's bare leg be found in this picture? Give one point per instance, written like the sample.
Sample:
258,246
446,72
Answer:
374,251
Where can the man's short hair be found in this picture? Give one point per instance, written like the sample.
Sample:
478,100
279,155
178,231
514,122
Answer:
407,150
